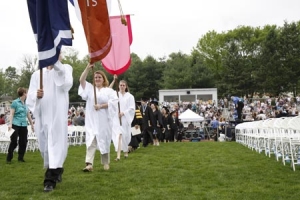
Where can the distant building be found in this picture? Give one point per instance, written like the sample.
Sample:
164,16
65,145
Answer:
190,95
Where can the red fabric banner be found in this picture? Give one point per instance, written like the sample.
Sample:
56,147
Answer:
95,20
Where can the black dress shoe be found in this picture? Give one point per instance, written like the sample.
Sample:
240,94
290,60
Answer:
59,179
21,160
48,188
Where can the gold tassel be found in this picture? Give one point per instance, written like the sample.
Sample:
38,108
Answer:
123,20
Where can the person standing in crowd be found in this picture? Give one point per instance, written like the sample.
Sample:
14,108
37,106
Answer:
176,109
145,110
136,123
167,121
174,126
126,115
2,119
50,106
99,116
80,121
18,114
239,105
215,127
156,122
180,131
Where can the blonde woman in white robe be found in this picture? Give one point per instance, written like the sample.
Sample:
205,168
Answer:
122,139
50,109
99,116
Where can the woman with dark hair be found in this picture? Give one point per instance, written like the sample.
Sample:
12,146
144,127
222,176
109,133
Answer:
99,116
167,121
18,114
156,122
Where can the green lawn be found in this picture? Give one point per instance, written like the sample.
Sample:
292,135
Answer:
188,170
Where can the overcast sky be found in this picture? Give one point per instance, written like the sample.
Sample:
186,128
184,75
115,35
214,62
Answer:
159,27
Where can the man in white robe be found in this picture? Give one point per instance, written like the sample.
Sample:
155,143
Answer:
50,109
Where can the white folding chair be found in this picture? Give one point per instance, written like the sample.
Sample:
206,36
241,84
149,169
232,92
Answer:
294,126
4,138
80,135
271,147
285,140
32,143
258,136
72,135
278,134
268,134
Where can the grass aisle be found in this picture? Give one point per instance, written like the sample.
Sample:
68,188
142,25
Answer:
194,170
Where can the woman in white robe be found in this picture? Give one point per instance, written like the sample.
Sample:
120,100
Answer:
50,110
99,116
127,110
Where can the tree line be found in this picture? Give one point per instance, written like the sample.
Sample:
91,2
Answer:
242,62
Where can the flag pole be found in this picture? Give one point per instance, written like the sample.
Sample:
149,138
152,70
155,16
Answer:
120,136
95,97
41,78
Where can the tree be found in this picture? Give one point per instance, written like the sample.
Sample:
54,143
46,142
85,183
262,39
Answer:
274,77
211,49
71,58
11,79
178,72
289,50
240,60
202,76
29,66
2,85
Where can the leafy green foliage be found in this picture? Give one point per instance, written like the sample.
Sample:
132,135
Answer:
242,61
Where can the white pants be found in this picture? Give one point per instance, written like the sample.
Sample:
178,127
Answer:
90,154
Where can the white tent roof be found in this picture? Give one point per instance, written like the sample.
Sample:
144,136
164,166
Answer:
190,116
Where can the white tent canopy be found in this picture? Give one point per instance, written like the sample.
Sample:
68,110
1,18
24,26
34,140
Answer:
190,116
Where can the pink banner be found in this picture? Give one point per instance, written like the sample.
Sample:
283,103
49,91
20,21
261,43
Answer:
118,59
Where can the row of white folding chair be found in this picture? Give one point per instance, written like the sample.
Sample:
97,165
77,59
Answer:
242,132
257,134
280,136
251,134
76,135
274,137
4,138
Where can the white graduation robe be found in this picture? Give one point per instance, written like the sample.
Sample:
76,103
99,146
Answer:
51,112
127,106
99,123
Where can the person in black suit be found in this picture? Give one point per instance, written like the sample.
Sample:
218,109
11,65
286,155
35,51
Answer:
156,122
146,114
167,121
174,126
137,123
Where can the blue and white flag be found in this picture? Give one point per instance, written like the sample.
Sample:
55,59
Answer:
51,27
